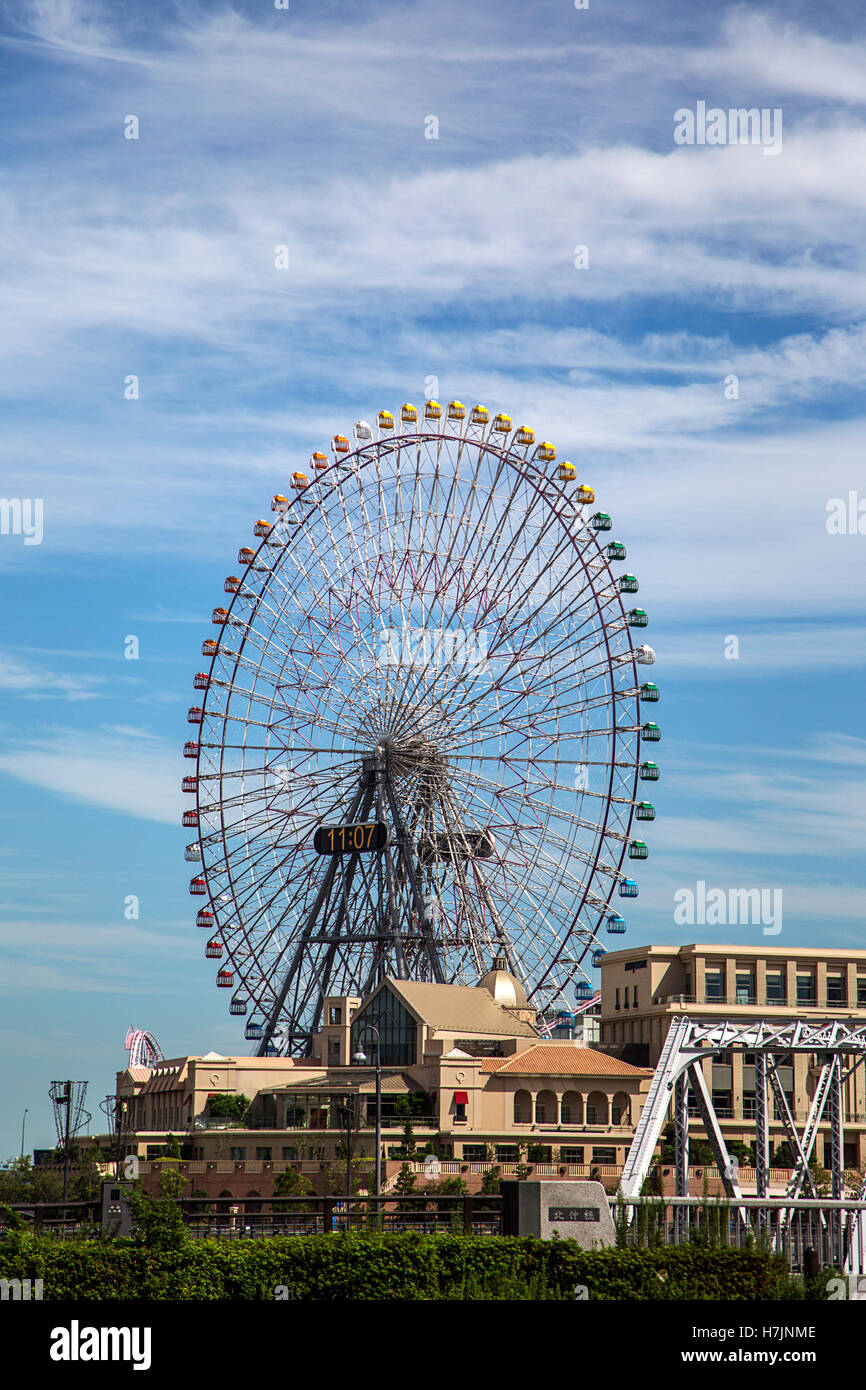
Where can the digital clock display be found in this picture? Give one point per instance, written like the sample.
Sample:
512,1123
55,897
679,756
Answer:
369,837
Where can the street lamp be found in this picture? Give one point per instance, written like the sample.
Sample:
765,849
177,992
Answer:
23,1123
361,1056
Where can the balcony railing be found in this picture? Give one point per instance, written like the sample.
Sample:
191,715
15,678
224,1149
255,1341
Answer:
270,1122
743,1001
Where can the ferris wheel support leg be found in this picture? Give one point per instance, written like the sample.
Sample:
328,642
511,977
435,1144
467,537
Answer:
411,867
348,876
321,898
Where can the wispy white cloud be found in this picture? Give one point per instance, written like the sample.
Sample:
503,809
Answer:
33,683
121,773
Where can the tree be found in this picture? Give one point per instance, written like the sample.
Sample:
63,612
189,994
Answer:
171,1182
21,1182
738,1149
87,1178
491,1180
157,1222
222,1105
782,1156
291,1183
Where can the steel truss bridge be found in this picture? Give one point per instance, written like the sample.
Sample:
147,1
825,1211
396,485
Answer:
839,1049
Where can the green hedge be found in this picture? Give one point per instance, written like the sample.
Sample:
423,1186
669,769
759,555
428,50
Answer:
377,1267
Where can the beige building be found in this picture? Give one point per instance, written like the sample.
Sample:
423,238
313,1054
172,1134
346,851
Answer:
482,1085
643,988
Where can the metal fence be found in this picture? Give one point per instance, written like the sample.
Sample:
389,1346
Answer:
835,1231
229,1218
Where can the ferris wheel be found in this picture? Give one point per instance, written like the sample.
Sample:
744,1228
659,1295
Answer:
419,743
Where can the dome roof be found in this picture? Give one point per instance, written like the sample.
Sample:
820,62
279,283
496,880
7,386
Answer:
505,987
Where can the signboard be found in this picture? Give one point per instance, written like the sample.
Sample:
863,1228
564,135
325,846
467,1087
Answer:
368,837
573,1214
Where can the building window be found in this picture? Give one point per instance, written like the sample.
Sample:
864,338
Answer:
634,997
335,1014
591,1115
745,987
748,1105
571,1154
333,1049
398,1032
540,1112
539,1153
861,991
475,1153
806,987
238,1154
604,1155
264,1151
776,987
714,983
837,992
723,1104
616,999
290,1152
522,1108
296,1113
507,1153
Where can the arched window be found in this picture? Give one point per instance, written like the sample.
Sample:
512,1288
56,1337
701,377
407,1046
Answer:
597,1108
571,1112
546,1108
620,1109
522,1108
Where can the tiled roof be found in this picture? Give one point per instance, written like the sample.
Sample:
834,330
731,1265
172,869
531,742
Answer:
460,1009
165,1078
360,1080
559,1059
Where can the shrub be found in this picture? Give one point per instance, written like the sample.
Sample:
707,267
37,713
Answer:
362,1265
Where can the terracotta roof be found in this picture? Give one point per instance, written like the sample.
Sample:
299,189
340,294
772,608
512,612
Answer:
559,1059
463,1009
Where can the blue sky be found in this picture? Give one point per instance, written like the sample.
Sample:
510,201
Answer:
409,258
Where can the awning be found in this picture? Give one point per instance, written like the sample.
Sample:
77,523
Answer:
461,1097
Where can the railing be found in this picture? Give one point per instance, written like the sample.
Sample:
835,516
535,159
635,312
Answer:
270,1122
834,1231
243,1219
64,1219
750,1001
